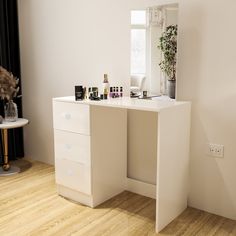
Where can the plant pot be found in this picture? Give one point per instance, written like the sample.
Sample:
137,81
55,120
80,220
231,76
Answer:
10,111
171,88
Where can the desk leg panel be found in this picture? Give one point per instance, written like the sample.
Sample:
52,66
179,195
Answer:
172,163
108,152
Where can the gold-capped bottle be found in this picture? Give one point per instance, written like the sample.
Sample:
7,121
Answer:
106,85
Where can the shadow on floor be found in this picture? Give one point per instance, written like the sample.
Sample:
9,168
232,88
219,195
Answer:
24,165
132,204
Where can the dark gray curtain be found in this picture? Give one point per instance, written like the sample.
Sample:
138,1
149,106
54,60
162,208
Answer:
10,59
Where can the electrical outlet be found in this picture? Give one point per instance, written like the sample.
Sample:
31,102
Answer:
215,150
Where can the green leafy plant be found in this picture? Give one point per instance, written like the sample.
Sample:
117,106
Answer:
168,46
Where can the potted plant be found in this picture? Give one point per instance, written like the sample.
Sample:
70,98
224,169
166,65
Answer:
9,90
168,46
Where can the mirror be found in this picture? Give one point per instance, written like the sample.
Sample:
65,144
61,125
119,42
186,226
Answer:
147,26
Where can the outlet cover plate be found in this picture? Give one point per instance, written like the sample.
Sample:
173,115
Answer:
215,150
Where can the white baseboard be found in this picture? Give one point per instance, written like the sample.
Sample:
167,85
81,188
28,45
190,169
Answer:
145,189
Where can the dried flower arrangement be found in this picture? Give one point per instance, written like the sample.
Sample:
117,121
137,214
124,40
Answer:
8,85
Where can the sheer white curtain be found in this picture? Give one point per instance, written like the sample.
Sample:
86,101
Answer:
157,18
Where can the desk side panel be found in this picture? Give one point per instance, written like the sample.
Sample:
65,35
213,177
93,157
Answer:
108,152
172,163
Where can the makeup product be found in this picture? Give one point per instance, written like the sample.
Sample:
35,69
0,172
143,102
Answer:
94,94
114,92
95,91
85,96
90,92
106,92
105,83
144,94
79,92
111,92
95,98
121,92
117,92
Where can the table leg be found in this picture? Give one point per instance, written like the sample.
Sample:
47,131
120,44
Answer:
6,165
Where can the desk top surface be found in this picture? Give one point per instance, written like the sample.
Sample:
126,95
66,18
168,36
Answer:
20,122
155,105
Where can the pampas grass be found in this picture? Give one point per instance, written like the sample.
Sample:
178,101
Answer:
8,84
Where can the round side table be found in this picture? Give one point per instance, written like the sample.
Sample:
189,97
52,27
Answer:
6,168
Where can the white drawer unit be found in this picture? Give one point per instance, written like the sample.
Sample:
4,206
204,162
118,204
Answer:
85,162
72,146
71,117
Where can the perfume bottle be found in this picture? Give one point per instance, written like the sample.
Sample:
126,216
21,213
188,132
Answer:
105,93
105,84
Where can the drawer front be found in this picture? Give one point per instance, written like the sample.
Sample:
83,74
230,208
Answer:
72,146
73,175
71,117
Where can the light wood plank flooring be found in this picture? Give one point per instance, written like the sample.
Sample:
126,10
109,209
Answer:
29,205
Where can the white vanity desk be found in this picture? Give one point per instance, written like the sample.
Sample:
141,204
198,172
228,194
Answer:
91,150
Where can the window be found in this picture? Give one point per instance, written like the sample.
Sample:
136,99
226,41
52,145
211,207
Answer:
138,42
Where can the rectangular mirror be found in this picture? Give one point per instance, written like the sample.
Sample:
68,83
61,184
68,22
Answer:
147,27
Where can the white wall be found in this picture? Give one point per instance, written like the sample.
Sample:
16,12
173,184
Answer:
66,43
206,76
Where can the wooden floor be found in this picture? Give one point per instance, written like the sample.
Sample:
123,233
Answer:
29,205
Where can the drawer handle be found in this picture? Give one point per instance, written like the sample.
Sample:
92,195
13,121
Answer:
69,172
67,116
67,146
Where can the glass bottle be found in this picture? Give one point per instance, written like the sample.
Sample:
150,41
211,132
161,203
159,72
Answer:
10,111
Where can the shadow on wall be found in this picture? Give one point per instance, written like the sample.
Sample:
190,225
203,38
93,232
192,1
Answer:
207,174
211,178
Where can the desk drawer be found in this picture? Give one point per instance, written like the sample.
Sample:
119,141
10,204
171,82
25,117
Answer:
71,117
72,146
73,175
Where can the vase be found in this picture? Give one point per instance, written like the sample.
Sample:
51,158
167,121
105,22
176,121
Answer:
10,111
171,88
